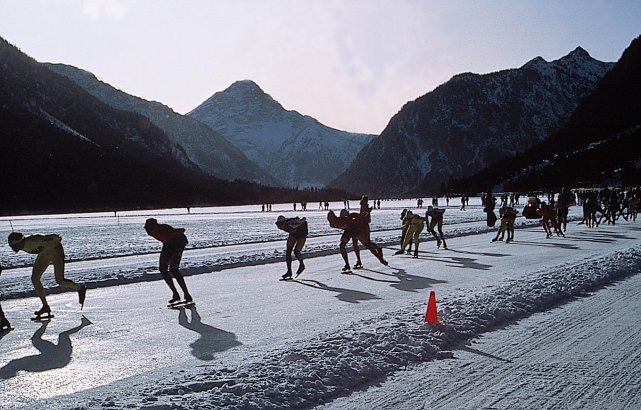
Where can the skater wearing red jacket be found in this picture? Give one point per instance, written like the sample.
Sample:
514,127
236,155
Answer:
356,226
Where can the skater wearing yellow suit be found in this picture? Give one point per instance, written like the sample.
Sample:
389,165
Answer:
414,225
50,252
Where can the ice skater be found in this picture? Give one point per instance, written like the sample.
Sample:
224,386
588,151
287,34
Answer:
355,226
508,217
436,220
548,220
173,244
413,226
297,229
405,225
50,252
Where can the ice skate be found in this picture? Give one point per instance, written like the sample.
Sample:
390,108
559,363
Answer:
416,253
346,269
179,304
301,268
358,265
286,276
400,252
5,325
175,298
43,314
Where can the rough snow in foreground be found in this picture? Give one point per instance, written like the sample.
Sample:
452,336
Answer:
335,364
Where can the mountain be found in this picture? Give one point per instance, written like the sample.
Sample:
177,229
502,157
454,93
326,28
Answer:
296,149
63,149
600,144
212,153
469,123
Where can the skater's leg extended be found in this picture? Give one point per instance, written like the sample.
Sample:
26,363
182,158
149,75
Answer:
164,271
357,252
59,273
300,242
39,267
174,268
440,232
343,249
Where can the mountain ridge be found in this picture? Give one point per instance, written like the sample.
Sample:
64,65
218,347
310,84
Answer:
297,149
470,122
210,151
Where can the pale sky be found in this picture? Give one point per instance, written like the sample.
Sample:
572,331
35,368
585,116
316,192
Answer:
351,64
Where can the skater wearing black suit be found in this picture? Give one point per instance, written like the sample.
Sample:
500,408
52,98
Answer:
173,244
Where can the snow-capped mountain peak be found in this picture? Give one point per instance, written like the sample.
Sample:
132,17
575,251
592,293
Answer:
295,148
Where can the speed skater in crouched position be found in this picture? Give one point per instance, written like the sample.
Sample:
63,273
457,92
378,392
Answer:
173,244
50,252
297,229
355,226
412,227
436,221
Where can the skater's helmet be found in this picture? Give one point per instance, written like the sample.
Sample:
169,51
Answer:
280,220
151,223
14,240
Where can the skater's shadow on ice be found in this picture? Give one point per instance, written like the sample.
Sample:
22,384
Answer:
494,255
404,281
345,295
212,340
52,356
601,237
459,262
548,244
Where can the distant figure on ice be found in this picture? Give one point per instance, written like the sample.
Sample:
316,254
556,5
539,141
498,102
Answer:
173,244
489,204
436,220
355,226
4,323
297,229
414,225
566,200
49,251
365,209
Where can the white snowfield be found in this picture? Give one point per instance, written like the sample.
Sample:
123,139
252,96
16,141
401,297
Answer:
537,323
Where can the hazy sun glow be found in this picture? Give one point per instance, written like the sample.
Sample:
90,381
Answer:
351,64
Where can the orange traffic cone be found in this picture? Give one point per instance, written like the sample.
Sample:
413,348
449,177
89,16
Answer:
431,316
